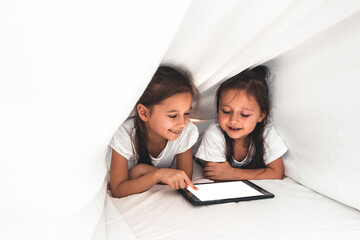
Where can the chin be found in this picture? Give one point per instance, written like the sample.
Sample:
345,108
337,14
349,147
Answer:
233,136
173,138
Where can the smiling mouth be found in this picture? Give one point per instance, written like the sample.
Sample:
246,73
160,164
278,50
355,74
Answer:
175,131
234,129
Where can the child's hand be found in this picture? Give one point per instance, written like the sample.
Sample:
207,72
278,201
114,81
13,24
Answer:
218,171
175,178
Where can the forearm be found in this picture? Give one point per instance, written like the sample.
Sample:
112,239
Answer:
188,170
185,162
134,186
140,170
255,174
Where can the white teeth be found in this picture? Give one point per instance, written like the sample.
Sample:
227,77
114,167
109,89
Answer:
173,131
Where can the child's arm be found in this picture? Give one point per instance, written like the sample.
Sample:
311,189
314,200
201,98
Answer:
122,185
140,170
223,171
185,162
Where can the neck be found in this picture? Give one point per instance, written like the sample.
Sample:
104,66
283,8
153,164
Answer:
155,144
241,148
242,142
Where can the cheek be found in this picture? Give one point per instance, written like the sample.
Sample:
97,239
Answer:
187,120
161,123
166,122
253,123
223,118
220,119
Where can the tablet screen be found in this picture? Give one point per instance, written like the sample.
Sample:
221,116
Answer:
223,190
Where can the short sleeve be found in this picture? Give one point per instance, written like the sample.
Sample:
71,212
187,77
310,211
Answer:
212,147
275,146
187,138
121,141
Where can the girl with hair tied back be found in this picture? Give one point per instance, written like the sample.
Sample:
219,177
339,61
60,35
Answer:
155,145
242,145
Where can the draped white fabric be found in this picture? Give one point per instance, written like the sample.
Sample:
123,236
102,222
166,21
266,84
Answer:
217,41
316,100
70,74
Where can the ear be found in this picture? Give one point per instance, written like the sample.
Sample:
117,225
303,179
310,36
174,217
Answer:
143,112
262,116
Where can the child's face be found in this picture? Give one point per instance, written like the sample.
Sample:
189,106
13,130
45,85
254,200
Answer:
168,118
238,113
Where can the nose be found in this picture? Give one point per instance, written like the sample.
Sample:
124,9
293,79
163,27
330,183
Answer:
234,117
182,121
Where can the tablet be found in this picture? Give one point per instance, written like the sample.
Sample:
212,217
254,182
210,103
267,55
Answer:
224,192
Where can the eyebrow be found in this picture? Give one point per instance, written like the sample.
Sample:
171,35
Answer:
247,109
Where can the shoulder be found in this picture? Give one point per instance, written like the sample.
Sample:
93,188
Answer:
189,135
126,128
190,131
275,146
128,125
214,132
213,145
270,134
212,137
187,138
192,127
121,141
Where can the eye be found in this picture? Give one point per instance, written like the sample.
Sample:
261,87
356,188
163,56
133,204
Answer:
172,116
187,114
225,112
245,115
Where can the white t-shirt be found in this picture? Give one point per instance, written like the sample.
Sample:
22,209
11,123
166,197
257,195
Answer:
122,143
213,146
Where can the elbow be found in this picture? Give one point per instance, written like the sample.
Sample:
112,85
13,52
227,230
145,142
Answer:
117,196
279,175
276,174
117,192
276,177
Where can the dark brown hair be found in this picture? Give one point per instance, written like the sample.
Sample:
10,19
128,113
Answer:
166,82
254,83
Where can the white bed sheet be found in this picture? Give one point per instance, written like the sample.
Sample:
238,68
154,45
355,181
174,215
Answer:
296,212
115,225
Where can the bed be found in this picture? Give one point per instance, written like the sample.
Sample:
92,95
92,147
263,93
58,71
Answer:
296,212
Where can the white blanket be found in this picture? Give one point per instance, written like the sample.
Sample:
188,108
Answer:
296,212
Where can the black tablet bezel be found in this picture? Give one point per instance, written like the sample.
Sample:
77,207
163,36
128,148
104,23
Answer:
197,202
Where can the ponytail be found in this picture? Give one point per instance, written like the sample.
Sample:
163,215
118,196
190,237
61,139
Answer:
262,72
140,142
